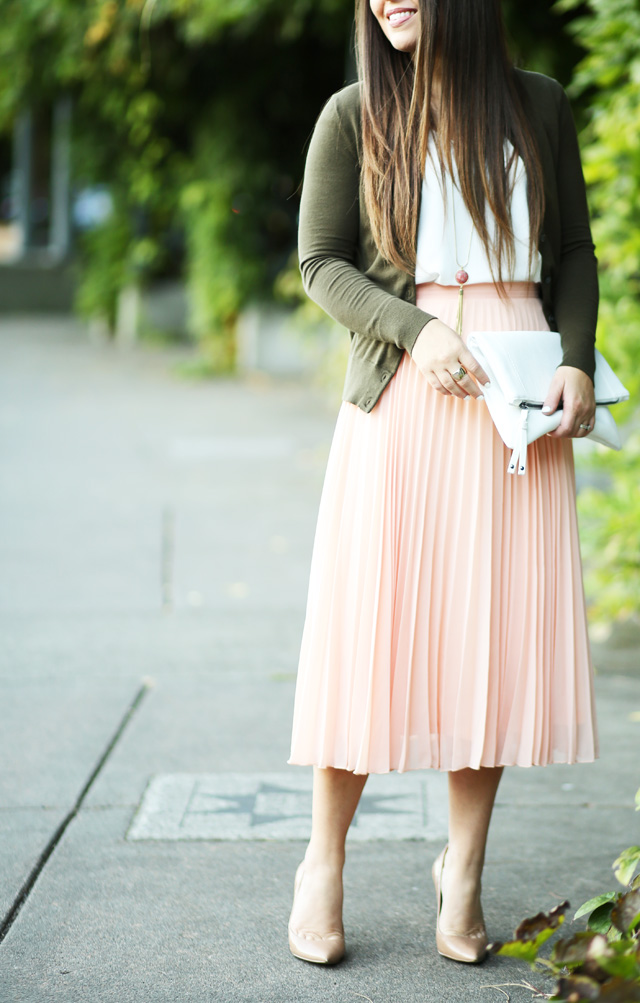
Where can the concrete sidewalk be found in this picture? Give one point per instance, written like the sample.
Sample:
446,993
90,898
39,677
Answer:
155,537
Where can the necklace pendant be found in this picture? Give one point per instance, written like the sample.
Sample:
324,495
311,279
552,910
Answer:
459,311
462,277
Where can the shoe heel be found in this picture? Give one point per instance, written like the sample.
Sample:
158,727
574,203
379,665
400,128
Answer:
319,949
469,948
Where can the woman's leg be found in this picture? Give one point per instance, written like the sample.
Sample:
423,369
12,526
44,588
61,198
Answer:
471,797
318,905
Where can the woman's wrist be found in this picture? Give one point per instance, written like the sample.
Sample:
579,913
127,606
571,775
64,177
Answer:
421,333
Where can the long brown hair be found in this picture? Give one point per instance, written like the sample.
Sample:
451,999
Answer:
480,106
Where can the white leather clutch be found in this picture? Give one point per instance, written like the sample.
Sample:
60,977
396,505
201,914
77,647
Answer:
520,366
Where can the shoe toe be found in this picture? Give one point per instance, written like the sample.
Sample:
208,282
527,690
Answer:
327,949
468,948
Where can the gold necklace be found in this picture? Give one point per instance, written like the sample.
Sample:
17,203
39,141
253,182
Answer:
462,275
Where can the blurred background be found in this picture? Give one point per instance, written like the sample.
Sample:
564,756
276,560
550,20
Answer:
151,154
167,401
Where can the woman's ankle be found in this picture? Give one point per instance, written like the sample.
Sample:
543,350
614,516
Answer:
331,858
468,861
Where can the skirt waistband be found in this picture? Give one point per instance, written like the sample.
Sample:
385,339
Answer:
479,290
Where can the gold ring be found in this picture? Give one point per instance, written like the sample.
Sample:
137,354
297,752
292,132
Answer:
459,373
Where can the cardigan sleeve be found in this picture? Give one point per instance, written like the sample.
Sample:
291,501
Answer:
328,238
576,292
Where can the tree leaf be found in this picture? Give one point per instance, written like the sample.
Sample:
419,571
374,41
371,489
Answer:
600,919
577,988
531,935
518,949
625,915
594,903
580,948
620,990
626,864
618,960
531,928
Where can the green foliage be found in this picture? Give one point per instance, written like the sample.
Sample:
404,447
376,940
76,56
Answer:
626,864
610,517
312,322
609,75
531,935
195,115
216,219
209,19
537,40
107,248
600,963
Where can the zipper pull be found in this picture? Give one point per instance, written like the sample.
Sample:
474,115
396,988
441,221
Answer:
522,458
519,455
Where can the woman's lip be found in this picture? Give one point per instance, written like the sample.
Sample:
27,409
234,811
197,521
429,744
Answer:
402,15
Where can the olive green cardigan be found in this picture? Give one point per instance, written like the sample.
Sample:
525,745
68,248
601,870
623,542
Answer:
344,272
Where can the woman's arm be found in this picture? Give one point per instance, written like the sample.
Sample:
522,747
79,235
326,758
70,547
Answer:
576,288
328,240
576,292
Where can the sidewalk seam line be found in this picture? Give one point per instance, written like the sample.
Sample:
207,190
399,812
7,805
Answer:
38,867
167,548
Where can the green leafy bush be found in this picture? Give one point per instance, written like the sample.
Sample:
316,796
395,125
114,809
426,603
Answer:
221,264
600,963
194,114
311,322
609,77
106,248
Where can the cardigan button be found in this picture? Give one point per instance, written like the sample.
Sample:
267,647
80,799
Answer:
385,376
547,281
543,237
369,402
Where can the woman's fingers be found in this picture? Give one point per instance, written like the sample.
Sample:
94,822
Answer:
583,422
439,352
554,396
474,374
470,363
470,387
433,380
442,380
572,425
575,415
584,425
455,387
575,389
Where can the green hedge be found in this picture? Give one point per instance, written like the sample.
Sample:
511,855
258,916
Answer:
609,76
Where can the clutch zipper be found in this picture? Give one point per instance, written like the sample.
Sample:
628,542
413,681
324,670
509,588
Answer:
519,454
538,407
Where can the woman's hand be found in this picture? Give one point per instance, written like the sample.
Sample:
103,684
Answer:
438,352
575,390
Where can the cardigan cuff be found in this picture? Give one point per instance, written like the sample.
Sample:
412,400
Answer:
410,332
584,360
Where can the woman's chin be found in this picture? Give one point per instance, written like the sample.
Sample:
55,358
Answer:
403,41
404,44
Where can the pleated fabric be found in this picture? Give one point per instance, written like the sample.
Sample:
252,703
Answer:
445,624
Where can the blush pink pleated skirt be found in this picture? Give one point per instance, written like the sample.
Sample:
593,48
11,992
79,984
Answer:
446,623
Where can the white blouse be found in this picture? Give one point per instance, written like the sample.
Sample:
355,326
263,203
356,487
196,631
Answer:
436,246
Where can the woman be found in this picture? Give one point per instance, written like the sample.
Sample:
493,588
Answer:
446,623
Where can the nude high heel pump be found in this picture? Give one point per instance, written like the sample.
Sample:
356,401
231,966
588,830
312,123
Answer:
308,945
470,947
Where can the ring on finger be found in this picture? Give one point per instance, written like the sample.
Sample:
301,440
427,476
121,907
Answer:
587,427
459,373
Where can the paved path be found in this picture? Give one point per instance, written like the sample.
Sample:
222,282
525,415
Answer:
155,537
